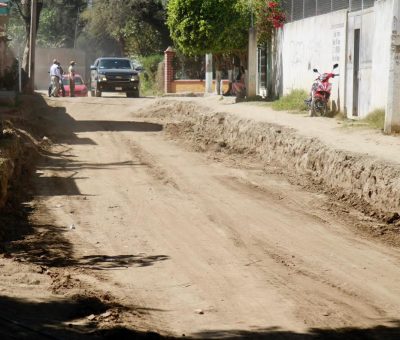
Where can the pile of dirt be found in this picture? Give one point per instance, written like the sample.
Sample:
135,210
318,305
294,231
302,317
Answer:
369,185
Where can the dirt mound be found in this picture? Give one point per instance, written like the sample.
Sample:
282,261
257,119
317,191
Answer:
366,184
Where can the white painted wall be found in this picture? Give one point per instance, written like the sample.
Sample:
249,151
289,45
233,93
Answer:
316,42
321,41
381,53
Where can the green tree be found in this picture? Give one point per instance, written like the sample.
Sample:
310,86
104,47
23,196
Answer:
137,26
56,24
219,27
23,8
200,27
60,23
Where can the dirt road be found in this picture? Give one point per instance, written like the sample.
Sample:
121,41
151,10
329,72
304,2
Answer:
209,247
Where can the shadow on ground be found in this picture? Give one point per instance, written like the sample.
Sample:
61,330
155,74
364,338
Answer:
41,241
22,319
391,332
62,319
45,244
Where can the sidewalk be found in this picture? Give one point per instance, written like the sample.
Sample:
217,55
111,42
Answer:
364,141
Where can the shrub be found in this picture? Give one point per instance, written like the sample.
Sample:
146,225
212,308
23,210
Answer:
375,119
294,101
148,77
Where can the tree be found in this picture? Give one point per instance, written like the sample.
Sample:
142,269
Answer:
60,23
24,9
200,27
137,26
55,24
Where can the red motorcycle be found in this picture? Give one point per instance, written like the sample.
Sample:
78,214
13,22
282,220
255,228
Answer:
320,93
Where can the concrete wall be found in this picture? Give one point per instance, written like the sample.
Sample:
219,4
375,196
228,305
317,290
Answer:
323,40
44,59
376,29
381,53
316,42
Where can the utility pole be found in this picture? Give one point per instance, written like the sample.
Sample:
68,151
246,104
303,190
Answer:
251,83
32,44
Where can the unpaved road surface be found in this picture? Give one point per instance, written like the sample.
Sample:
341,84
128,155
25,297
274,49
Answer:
208,246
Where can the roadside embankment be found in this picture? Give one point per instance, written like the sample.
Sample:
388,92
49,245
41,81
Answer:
10,158
366,183
17,149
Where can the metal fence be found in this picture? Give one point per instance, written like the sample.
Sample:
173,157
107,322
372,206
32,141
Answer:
300,9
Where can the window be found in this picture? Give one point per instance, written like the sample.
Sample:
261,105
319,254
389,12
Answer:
115,64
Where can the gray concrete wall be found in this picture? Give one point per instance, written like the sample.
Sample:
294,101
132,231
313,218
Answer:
44,59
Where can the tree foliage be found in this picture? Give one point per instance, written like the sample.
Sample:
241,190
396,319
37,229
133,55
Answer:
137,26
199,27
60,23
56,23
269,17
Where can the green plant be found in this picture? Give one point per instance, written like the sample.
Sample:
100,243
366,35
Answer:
375,119
294,101
200,27
269,17
148,77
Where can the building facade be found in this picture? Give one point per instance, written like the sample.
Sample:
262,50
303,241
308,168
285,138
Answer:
356,34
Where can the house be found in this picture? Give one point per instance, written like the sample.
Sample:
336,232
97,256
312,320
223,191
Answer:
356,34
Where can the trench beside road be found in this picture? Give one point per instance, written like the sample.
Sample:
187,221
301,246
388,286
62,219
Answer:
215,243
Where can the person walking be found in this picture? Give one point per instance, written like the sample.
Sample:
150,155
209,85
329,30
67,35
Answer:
55,76
61,79
71,73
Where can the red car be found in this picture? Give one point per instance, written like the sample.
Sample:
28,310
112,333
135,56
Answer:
80,87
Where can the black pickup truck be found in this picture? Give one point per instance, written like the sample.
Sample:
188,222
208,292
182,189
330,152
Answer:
113,74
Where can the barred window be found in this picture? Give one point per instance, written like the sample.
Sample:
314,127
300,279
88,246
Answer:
324,6
340,4
310,7
300,9
356,5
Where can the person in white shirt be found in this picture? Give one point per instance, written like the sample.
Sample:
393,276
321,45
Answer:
55,78
71,73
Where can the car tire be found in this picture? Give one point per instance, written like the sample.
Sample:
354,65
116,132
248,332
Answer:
132,94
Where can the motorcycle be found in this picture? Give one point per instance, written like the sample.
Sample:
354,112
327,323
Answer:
320,93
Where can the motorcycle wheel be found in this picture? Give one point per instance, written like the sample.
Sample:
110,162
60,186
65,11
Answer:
318,108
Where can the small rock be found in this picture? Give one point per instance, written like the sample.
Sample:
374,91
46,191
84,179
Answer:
392,219
91,317
45,138
199,311
41,270
58,205
72,226
106,314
